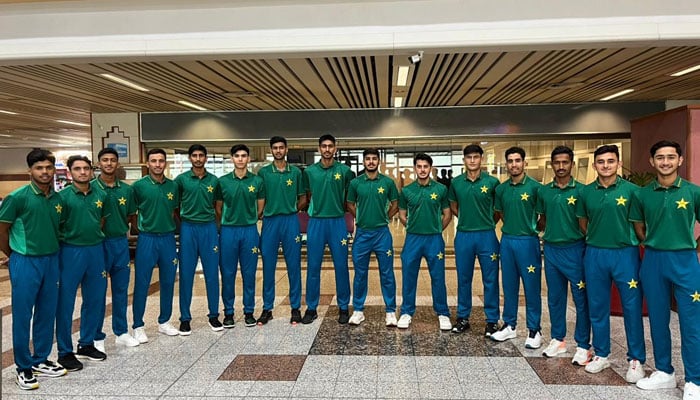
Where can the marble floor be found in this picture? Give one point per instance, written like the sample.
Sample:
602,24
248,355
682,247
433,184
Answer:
325,360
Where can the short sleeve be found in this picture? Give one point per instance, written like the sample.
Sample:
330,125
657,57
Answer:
497,202
403,202
352,191
452,194
636,213
393,191
539,206
10,209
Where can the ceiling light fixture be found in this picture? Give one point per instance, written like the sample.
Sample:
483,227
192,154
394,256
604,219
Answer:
398,102
7,112
402,76
416,58
72,123
124,82
191,105
618,94
686,71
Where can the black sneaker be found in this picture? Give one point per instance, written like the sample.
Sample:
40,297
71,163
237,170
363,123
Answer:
70,363
265,317
185,329
49,368
90,352
26,380
228,321
309,316
296,316
461,325
250,320
343,317
216,324
491,328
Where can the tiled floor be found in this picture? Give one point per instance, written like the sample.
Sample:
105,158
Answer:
325,360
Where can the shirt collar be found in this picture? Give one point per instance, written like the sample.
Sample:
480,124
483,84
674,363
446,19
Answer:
38,191
104,185
78,191
510,181
571,184
247,175
155,182
599,186
478,178
193,175
273,167
676,184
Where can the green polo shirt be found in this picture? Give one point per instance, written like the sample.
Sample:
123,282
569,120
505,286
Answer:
559,207
424,205
240,199
669,214
517,202
34,219
607,211
156,204
372,198
81,219
197,196
119,206
475,199
328,187
282,189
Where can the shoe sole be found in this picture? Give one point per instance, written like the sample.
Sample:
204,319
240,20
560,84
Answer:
181,333
598,370
531,347
27,387
251,324
544,353
356,322
84,357
50,375
583,364
668,386
502,340
309,322
128,344
217,329
391,324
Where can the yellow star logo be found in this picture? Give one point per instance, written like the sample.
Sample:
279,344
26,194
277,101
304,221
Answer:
297,239
581,285
255,250
531,269
695,296
104,274
216,249
289,182
682,203
251,188
484,189
344,242
524,196
633,284
170,196
440,256
98,203
380,190
122,201
59,208
571,200
621,201
337,176
175,261
210,189
389,253
494,256
433,196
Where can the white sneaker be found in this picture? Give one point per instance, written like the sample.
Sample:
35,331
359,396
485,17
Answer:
445,324
534,340
658,380
506,332
356,318
691,391
127,340
582,356
140,335
597,364
168,329
555,348
635,372
390,319
99,345
404,321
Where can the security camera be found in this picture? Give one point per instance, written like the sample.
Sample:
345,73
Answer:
416,58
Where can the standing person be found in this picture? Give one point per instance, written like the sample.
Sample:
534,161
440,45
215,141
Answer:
81,260
198,237
157,199
425,212
520,250
664,215
373,201
327,182
564,246
285,196
240,205
119,211
612,255
474,192
29,220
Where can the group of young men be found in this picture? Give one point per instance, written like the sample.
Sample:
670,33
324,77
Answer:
78,237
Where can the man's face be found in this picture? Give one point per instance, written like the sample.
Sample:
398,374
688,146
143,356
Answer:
422,169
240,159
371,162
606,164
515,165
472,162
198,159
279,151
666,161
108,164
81,172
562,165
327,149
42,172
156,164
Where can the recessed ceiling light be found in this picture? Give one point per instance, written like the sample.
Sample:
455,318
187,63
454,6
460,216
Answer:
402,76
124,82
686,71
618,94
191,105
398,102
7,112
72,123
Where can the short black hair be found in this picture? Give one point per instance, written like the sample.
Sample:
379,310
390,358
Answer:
325,137
473,148
607,148
278,139
39,155
371,150
665,143
107,150
73,159
515,150
238,147
563,150
196,147
424,157
156,151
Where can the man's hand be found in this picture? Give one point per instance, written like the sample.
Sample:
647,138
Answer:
4,258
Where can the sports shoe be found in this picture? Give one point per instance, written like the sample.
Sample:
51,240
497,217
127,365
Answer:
658,380
296,316
582,356
90,353
390,319
49,369
229,322
506,332
168,329
309,316
250,320
461,325
343,317
404,321
691,391
26,380
126,340
534,340
597,364
100,345
185,329
445,324
357,318
555,348
215,324
140,335
635,372
69,362
491,328
265,317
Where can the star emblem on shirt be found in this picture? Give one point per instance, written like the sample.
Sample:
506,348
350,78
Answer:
695,296
621,201
494,256
524,196
380,190
98,203
59,208
344,242
210,189
632,284
571,200
440,256
289,182
104,274
297,238
682,203
255,250
216,249
581,285
389,253
433,196
171,196
337,176
175,261
484,189
251,188
531,269
122,201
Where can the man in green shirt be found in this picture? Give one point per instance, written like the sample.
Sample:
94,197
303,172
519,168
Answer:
425,212
664,215
29,220
373,201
